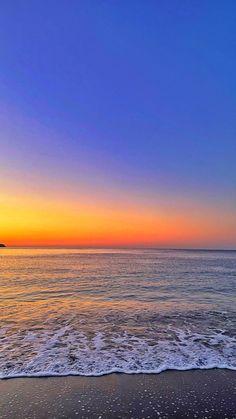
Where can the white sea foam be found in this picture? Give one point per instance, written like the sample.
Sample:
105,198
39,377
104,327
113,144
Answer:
66,353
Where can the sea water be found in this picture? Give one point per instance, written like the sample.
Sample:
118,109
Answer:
93,312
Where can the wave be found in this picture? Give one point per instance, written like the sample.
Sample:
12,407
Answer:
65,353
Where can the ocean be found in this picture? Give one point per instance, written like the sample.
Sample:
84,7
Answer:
94,312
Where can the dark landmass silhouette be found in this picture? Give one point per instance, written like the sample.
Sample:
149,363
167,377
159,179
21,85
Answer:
2,245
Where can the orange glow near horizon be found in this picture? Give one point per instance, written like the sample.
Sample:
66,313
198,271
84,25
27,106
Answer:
37,222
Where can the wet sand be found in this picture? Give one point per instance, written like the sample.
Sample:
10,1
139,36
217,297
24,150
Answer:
172,394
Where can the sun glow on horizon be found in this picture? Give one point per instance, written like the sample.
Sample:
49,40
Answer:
33,221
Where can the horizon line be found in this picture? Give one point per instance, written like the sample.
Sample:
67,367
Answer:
118,247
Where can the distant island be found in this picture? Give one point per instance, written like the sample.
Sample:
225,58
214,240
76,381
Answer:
2,245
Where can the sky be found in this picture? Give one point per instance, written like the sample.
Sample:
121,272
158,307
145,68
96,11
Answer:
117,123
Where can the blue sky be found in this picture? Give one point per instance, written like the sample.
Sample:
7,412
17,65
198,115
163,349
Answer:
140,92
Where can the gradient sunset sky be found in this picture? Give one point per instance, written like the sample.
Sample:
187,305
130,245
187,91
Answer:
118,123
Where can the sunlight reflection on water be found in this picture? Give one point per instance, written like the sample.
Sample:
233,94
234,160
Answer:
93,311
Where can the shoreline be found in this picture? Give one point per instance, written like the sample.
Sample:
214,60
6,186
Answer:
205,393
112,372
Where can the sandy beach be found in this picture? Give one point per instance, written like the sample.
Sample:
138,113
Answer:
171,394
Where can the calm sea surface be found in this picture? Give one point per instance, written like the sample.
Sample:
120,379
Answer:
92,312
